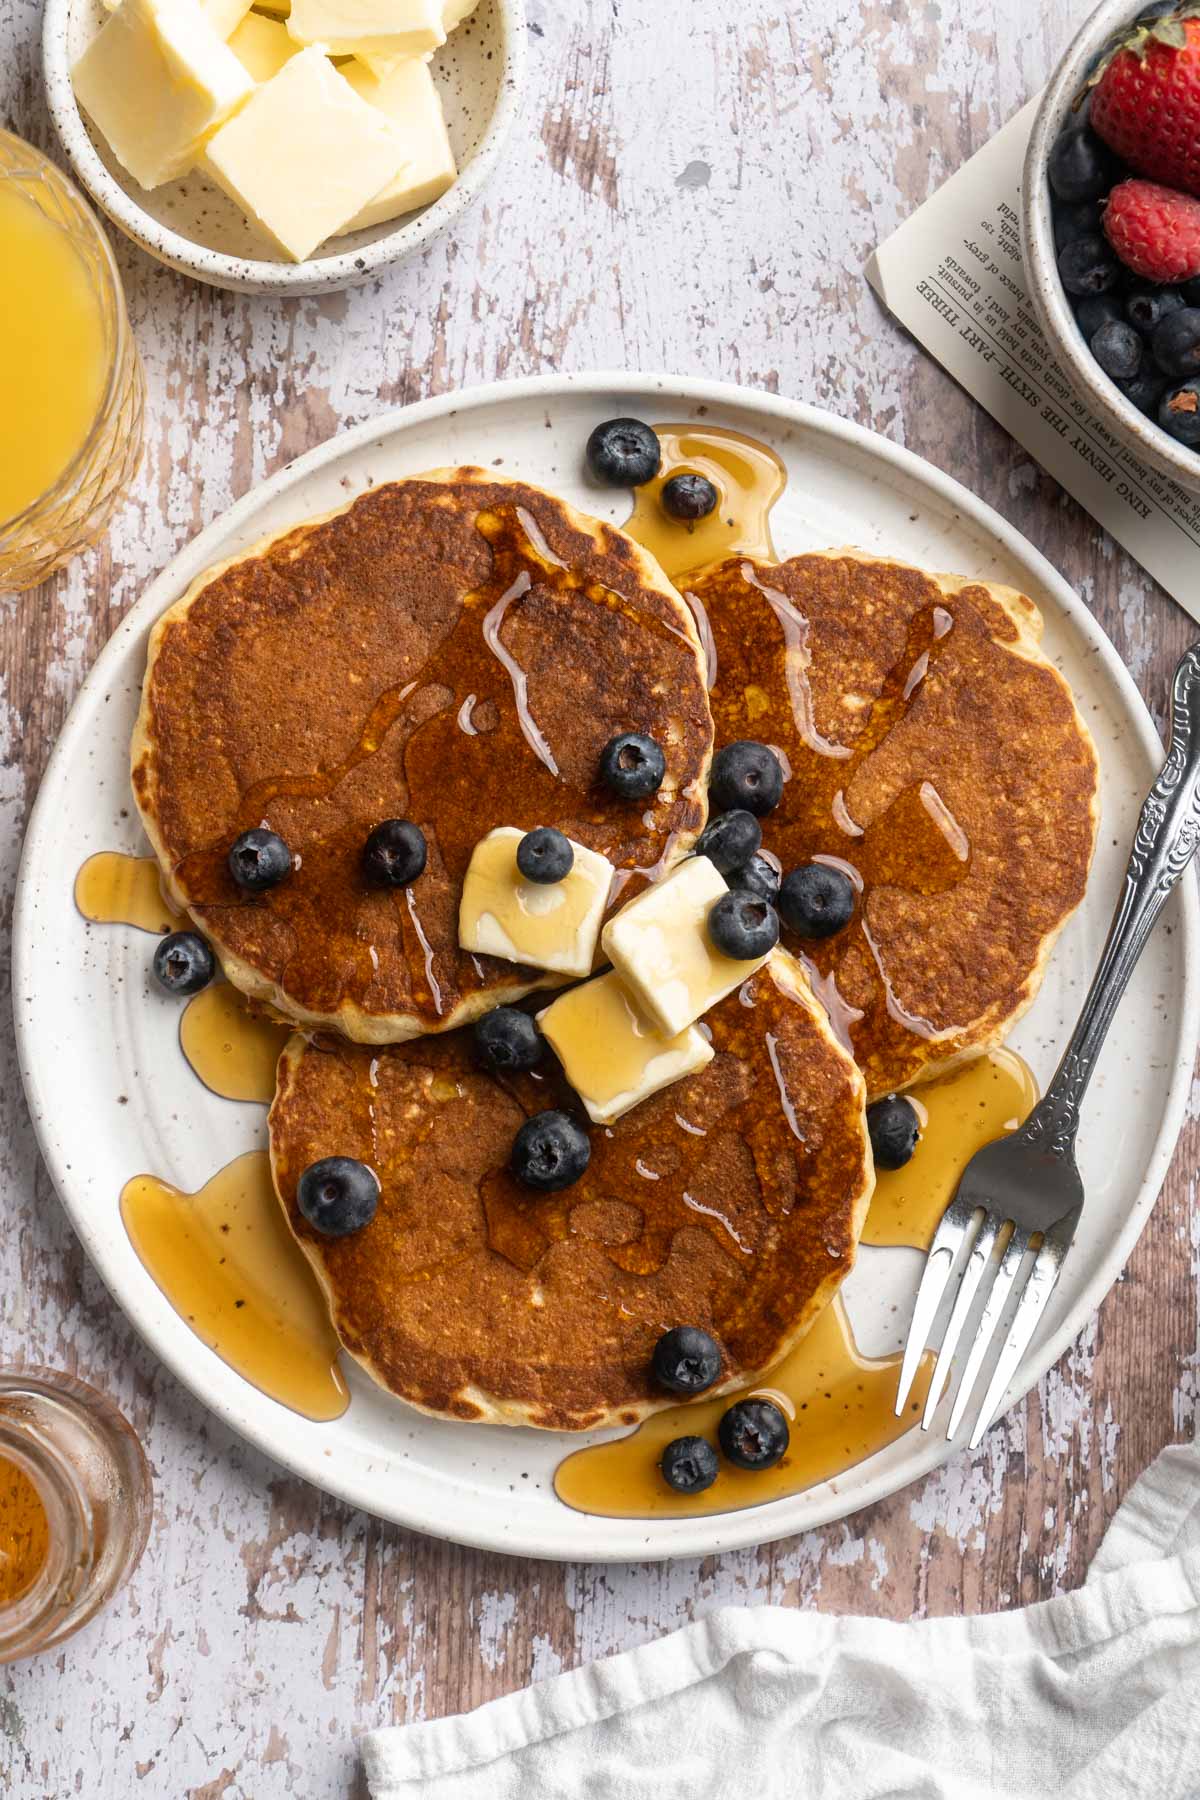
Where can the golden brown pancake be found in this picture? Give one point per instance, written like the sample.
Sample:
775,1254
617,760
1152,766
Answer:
732,1201
935,754
455,649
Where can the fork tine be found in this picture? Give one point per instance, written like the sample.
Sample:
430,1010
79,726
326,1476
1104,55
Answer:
993,1309
956,1221
1035,1294
968,1287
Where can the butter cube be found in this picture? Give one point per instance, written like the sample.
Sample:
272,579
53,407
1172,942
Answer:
304,155
223,15
659,946
157,81
545,925
384,27
454,12
409,98
262,46
610,1054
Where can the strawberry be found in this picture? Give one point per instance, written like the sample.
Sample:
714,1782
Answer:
1154,230
1146,98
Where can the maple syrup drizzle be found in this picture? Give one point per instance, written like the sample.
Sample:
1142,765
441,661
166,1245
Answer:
913,846
226,1260
114,889
748,478
468,721
839,1404
231,1049
981,1100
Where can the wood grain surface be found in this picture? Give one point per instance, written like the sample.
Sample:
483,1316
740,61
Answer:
680,192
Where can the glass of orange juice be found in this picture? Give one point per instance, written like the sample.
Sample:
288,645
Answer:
71,385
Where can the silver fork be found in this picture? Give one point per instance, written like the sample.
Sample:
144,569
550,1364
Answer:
1024,1192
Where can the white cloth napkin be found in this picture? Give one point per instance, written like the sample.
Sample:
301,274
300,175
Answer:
1093,1695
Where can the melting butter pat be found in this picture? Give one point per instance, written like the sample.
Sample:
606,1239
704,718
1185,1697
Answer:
611,1055
545,925
408,96
156,82
304,155
659,945
262,46
381,27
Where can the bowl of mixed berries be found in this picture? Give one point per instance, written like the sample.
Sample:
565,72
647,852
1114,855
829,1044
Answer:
1112,226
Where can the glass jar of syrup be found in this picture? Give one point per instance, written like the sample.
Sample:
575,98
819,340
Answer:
75,1507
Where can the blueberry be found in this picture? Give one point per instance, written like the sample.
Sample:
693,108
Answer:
338,1195
757,877
689,497
259,860
1176,342
1146,389
545,855
895,1129
1179,412
743,925
1089,266
508,1041
730,840
1118,349
689,1465
394,854
1190,290
550,1151
747,775
183,963
1071,222
686,1360
632,766
1080,166
623,453
1095,310
815,900
1147,307
753,1434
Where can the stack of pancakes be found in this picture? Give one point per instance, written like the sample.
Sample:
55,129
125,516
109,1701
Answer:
457,649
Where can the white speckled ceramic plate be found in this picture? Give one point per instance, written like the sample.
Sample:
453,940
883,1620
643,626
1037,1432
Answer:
192,226
90,1029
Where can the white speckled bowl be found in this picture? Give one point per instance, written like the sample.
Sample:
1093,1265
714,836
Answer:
1041,264
192,226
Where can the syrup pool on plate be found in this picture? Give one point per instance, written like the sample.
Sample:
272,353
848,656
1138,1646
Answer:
226,1260
224,1256
981,1100
839,1406
114,889
748,477
233,1051
839,1403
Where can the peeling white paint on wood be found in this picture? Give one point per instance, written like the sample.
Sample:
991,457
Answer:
712,219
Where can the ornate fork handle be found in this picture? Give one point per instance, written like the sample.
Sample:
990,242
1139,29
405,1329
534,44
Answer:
1167,835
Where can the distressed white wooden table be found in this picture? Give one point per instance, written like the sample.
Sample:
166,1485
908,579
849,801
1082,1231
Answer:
683,193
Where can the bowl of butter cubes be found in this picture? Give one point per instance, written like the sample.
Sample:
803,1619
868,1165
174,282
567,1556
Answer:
282,146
